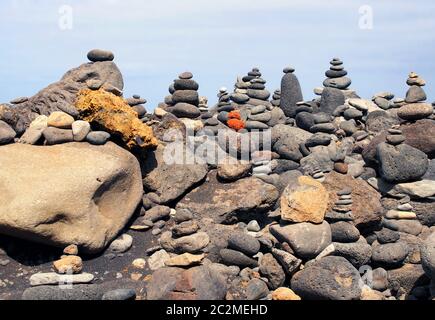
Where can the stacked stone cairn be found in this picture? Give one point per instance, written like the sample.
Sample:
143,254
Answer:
184,99
276,98
415,107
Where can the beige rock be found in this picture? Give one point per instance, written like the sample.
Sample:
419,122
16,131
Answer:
71,250
305,202
232,171
71,193
285,294
41,122
41,279
61,120
397,214
139,263
68,265
369,294
158,260
159,112
185,260
193,243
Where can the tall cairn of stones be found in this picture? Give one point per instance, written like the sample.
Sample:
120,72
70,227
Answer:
291,92
256,89
415,107
184,99
336,86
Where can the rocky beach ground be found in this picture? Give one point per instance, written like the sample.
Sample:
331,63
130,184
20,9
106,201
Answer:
262,196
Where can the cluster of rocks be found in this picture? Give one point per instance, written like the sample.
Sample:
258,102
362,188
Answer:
338,206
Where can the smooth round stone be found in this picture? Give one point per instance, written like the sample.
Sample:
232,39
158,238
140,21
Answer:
186,84
337,68
416,82
304,108
256,290
262,117
345,202
342,168
395,131
253,226
397,214
415,111
120,295
258,109
98,55
336,62
140,110
323,127
289,70
122,244
186,75
322,117
7,134
405,207
345,192
387,236
415,94
236,258
344,232
94,84
338,83
256,125
240,98
395,139
305,120
336,74
257,86
186,110
244,243
382,103
55,136
390,254
318,139
227,108
61,120
80,130
223,116
98,138
258,94
212,122
352,113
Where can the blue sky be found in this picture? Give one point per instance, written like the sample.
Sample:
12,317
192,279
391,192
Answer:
154,41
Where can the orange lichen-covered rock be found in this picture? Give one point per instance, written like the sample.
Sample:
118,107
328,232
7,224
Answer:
236,124
234,115
114,115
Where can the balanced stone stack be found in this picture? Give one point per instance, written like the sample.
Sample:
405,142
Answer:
258,118
336,89
137,103
336,76
399,162
346,238
241,250
224,103
184,101
276,98
342,210
256,89
291,92
415,107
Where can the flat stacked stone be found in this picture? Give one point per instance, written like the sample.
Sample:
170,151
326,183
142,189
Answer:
384,100
184,99
342,210
415,107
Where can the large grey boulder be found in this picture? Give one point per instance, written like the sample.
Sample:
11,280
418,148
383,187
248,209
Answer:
330,278
291,94
226,201
68,194
168,178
